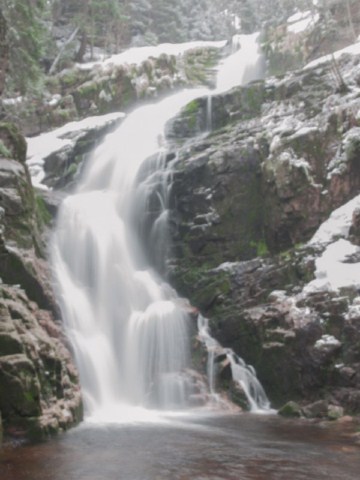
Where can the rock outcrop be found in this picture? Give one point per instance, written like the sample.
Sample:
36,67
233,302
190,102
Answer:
39,391
110,86
246,199
55,159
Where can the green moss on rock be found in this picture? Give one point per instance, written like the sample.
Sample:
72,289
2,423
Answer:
4,151
290,410
43,215
13,141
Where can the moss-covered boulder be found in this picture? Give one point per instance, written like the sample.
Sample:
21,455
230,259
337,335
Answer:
290,410
39,391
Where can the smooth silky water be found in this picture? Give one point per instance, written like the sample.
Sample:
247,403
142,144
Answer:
129,333
128,329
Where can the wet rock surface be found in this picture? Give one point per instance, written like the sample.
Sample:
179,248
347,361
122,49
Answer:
246,200
39,391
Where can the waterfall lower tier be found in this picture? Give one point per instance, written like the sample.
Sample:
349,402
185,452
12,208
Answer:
130,337
129,332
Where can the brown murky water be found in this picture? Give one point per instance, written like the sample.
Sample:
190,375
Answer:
242,447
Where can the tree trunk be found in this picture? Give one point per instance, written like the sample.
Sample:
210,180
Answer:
4,52
59,55
82,49
351,23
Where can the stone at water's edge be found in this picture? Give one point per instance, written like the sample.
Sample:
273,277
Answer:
291,410
39,389
245,199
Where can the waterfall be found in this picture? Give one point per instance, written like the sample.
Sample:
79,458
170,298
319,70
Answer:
245,64
127,327
242,374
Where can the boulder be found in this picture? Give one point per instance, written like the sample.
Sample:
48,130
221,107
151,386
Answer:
291,410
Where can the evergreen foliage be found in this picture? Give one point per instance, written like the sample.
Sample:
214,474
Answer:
26,37
58,32
4,51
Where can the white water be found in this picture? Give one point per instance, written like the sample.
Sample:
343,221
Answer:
127,327
243,65
242,374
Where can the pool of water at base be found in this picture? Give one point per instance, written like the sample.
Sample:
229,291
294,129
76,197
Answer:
226,447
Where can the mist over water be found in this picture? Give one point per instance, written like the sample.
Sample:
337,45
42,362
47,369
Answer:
127,327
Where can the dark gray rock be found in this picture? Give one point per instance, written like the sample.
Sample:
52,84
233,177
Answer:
244,200
39,390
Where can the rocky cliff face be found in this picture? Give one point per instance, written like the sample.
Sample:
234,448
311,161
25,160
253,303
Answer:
39,392
246,200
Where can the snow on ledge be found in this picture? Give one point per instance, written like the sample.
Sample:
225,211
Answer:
137,55
301,21
333,270
338,224
45,144
327,341
353,49
339,264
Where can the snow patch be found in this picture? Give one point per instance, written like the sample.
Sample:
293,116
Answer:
335,268
137,55
354,310
12,101
44,145
353,49
327,341
338,224
226,267
301,21
332,270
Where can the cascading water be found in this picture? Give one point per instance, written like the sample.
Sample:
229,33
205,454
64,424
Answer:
127,327
243,374
244,65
